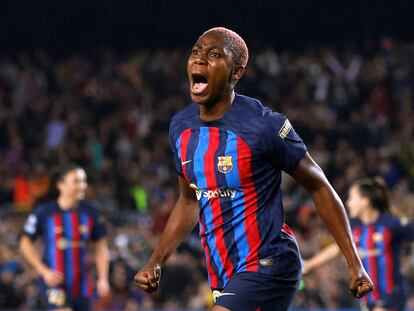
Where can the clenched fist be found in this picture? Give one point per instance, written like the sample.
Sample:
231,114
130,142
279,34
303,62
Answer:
359,282
148,278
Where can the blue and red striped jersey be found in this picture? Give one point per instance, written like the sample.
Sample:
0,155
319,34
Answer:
65,236
380,245
234,165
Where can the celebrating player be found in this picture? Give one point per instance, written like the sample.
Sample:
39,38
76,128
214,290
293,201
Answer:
67,224
379,237
229,152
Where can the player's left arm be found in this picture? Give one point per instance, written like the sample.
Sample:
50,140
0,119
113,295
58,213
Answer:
102,266
332,212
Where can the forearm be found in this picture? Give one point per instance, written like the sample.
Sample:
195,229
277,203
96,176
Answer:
326,255
102,259
29,252
333,215
181,222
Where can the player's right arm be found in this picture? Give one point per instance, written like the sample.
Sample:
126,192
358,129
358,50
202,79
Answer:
326,255
286,151
29,252
181,222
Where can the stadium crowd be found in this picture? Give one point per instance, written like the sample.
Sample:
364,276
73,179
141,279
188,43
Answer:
109,112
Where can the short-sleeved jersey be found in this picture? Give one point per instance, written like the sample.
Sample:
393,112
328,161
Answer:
379,246
234,165
65,236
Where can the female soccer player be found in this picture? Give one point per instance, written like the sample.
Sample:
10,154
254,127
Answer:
229,152
67,224
379,237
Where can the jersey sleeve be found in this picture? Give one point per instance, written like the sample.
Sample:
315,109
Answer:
406,230
284,148
175,146
99,229
32,227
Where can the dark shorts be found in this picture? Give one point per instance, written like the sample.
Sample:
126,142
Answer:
395,302
55,298
251,291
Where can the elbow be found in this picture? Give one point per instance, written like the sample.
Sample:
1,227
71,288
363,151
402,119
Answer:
311,176
319,181
102,248
320,186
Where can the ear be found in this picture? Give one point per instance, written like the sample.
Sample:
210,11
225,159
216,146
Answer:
366,202
237,72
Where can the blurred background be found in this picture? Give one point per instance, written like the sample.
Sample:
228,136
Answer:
96,82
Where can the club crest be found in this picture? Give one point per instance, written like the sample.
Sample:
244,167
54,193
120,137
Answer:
224,164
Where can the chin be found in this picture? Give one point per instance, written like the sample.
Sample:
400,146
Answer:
354,215
200,100
207,100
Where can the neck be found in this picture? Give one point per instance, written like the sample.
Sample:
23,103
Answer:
370,216
66,203
218,109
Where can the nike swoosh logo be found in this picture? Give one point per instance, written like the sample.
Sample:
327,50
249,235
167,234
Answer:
185,162
227,294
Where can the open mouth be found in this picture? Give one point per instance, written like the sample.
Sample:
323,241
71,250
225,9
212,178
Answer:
199,83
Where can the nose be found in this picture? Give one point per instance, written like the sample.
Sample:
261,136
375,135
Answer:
200,62
200,59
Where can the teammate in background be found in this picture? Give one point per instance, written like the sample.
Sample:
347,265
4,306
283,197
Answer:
67,224
379,237
229,152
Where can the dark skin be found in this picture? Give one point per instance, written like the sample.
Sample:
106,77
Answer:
211,60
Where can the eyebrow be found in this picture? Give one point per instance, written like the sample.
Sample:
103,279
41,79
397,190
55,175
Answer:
208,47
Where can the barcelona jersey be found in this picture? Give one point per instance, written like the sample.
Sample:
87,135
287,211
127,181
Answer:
66,234
380,245
234,165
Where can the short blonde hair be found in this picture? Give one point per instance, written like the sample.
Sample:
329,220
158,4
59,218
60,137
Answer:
234,43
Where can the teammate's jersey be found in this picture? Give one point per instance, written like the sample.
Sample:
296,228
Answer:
379,246
65,236
234,165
